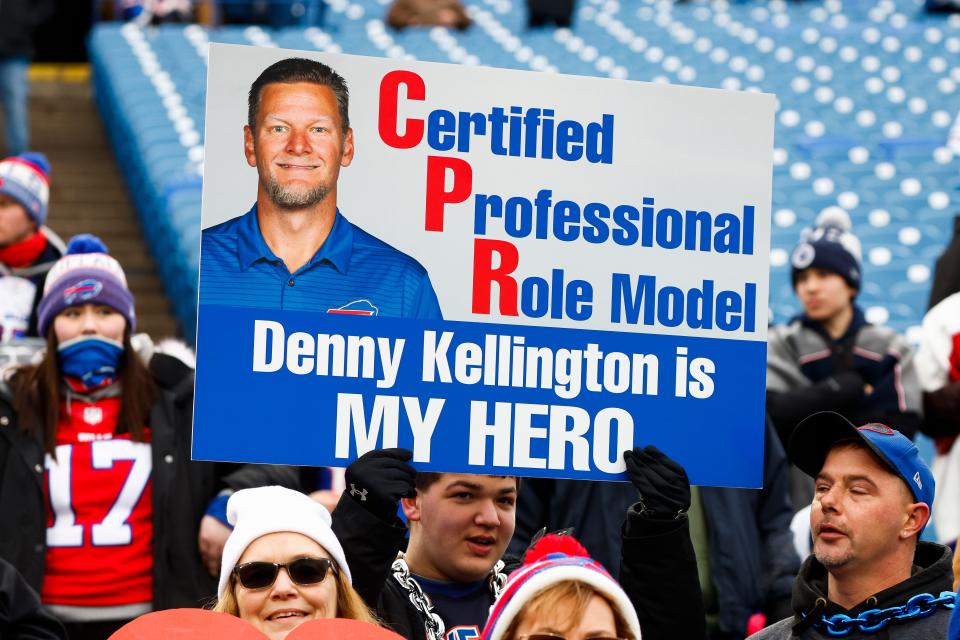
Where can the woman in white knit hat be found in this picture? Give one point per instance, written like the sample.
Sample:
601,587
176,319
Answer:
561,593
283,565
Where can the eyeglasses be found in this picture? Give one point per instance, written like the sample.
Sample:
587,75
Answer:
552,636
302,571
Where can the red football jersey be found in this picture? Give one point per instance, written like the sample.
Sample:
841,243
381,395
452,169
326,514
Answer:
99,511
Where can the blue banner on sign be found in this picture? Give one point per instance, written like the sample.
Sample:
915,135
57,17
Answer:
313,389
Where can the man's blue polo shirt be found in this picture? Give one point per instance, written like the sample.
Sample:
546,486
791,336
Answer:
352,273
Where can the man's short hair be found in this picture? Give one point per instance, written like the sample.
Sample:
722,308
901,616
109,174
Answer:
293,70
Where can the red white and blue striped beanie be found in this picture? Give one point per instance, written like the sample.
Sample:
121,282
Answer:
86,273
552,560
26,179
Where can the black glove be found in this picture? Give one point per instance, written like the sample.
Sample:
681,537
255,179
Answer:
379,478
662,482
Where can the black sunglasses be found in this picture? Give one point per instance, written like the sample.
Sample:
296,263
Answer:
302,571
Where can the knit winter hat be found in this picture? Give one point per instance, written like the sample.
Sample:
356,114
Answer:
829,245
26,179
257,512
552,560
85,274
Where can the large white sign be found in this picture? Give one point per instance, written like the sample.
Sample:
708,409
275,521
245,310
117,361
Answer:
599,250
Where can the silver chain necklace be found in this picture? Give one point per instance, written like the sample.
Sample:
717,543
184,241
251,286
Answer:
421,601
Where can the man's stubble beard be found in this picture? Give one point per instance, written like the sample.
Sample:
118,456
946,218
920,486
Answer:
291,198
833,561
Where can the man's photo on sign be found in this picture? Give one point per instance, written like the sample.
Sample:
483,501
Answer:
294,249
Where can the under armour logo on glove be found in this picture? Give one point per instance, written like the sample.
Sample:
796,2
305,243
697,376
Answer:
361,493
385,476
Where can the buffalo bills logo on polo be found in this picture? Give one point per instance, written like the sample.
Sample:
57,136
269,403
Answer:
877,428
83,290
356,308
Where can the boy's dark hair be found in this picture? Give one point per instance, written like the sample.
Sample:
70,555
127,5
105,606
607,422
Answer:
293,70
426,479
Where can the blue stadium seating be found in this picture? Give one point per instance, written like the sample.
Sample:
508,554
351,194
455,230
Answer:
867,94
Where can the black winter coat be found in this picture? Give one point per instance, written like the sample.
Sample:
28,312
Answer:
932,574
21,616
182,490
658,571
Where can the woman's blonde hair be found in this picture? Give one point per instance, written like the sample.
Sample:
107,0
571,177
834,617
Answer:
349,603
565,603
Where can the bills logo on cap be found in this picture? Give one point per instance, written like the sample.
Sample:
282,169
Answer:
803,256
83,290
877,428
916,478
356,308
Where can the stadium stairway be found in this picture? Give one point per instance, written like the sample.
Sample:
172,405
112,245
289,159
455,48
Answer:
87,190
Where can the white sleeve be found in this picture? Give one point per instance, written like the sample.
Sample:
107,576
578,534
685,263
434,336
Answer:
940,324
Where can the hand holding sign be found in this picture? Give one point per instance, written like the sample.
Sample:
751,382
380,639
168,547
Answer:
379,478
662,482
190,624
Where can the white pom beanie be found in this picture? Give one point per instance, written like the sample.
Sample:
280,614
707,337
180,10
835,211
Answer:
257,512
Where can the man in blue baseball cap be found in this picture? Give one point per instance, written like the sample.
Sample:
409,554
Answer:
869,574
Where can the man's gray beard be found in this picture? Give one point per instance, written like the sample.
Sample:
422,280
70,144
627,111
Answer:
285,198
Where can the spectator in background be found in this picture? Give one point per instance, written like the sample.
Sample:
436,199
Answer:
18,21
741,537
872,500
560,588
154,11
938,364
276,13
541,13
427,13
110,530
829,357
27,248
